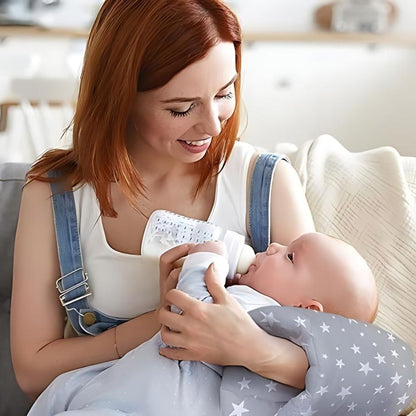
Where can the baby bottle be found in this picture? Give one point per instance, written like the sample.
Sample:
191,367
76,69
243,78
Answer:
166,229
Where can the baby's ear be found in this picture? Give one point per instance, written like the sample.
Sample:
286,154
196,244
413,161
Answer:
314,305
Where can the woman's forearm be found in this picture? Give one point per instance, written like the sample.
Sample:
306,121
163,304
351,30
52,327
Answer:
136,331
280,360
34,371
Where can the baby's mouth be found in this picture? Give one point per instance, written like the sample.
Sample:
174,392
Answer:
234,281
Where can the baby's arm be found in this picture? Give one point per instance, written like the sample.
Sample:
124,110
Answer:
191,278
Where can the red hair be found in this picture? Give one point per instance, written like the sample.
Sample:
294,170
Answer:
138,45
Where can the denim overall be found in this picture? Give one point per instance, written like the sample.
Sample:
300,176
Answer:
73,284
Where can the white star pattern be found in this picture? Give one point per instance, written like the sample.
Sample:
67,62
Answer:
238,409
352,352
394,353
244,384
271,386
269,319
299,340
309,412
344,392
402,400
300,322
365,368
352,406
396,379
352,321
325,327
322,390
380,358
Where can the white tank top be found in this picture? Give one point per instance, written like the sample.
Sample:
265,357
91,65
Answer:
127,285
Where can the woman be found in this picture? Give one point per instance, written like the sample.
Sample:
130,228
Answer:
155,127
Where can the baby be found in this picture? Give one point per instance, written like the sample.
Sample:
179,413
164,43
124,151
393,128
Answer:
315,271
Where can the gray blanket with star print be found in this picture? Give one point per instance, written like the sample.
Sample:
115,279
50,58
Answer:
354,367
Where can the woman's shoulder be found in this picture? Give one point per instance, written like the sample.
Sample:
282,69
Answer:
36,190
39,191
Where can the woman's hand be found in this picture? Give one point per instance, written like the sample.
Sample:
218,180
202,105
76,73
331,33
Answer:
218,333
169,269
223,333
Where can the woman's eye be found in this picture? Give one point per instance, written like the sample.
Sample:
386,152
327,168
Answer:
174,113
227,96
290,256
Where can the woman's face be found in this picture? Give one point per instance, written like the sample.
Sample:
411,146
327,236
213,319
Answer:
179,119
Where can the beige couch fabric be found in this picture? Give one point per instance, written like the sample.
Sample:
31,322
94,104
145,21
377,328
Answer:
369,200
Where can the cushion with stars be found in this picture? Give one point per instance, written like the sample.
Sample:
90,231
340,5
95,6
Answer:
355,367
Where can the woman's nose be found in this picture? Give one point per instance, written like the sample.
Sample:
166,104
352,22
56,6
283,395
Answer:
211,122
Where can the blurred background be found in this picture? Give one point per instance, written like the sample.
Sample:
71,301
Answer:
346,68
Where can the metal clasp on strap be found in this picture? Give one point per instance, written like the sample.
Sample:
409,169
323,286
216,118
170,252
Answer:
64,292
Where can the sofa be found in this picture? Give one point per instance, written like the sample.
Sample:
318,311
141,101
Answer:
367,198
12,400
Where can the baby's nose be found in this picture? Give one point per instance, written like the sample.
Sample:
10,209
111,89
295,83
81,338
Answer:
273,249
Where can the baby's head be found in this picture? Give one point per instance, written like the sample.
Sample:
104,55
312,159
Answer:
318,272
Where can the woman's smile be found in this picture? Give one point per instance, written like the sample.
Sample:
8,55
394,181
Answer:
196,146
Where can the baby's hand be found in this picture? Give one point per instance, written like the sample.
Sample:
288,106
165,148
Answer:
217,247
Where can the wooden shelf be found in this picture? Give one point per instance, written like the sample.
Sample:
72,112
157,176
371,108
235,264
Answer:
249,36
327,36
35,31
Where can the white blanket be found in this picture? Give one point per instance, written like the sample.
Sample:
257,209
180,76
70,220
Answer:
369,200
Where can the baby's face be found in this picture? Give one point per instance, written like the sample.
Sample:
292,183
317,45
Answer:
296,273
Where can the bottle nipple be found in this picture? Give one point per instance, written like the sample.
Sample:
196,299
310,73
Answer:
247,257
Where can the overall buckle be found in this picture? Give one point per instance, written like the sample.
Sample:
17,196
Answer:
64,292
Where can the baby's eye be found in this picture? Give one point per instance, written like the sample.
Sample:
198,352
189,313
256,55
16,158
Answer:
290,256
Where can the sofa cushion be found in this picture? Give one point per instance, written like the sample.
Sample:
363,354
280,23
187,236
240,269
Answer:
13,402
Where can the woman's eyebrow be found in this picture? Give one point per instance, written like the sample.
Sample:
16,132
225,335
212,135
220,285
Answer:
232,80
189,99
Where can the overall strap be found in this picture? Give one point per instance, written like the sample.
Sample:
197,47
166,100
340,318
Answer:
260,192
73,283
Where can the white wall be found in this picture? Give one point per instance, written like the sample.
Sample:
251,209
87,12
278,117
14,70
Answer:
364,96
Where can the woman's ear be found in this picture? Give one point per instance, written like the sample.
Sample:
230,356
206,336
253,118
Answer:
314,305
